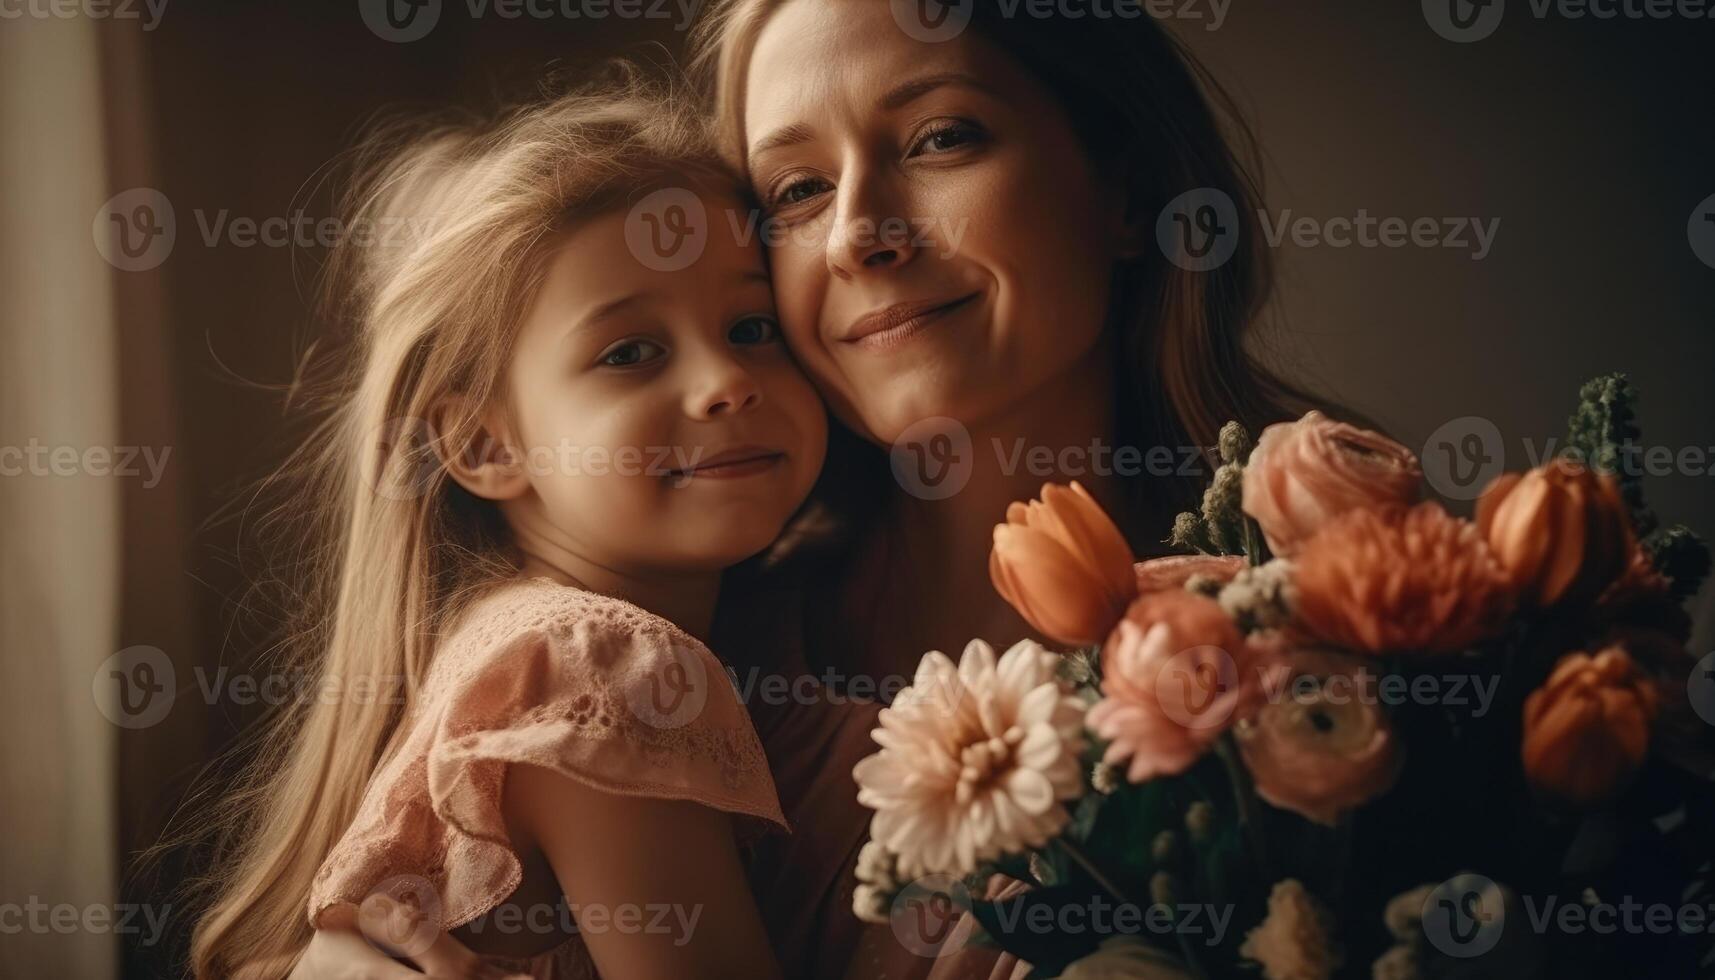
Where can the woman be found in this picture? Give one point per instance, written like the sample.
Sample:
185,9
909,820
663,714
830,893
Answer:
1025,305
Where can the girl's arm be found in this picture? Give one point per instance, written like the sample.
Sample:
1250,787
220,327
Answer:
336,953
656,886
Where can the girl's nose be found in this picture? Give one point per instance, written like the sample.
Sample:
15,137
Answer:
726,389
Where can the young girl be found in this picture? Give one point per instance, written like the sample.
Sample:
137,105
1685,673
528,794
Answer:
561,428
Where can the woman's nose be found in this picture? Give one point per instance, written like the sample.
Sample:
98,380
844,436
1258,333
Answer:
869,234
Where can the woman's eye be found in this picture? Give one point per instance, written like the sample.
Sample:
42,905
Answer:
947,137
632,352
799,191
754,330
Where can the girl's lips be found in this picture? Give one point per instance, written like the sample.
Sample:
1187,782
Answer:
902,327
732,469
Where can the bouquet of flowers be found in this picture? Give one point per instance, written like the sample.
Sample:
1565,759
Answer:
1347,734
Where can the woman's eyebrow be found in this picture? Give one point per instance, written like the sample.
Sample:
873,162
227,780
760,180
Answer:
907,92
899,96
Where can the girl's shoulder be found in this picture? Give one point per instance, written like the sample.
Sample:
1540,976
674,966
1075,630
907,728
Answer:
533,672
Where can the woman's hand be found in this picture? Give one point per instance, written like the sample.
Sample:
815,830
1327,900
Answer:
344,954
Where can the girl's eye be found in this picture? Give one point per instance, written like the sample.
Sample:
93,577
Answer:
754,330
632,352
946,137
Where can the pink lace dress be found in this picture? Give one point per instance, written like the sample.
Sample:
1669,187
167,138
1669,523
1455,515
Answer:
591,687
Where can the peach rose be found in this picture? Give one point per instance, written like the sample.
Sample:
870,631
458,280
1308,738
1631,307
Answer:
1400,579
1561,531
1304,474
1588,727
1172,572
1063,565
1324,746
1174,677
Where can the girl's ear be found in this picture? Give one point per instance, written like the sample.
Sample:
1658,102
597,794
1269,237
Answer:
489,462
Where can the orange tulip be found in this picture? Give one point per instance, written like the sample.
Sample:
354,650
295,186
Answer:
1588,727
1560,531
1065,567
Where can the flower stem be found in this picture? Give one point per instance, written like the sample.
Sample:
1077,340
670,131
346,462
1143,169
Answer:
1082,860
1244,797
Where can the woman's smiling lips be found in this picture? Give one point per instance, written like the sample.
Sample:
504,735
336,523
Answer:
891,325
732,463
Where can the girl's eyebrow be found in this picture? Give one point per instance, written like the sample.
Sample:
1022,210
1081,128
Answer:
897,97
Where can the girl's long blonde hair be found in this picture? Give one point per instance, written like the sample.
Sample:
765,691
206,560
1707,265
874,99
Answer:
458,221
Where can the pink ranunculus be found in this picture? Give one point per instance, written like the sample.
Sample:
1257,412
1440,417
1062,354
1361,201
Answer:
1320,745
1303,474
1172,572
1174,677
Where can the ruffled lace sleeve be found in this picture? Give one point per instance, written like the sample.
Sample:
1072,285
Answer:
588,686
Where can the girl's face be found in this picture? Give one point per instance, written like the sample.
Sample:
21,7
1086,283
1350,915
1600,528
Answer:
662,421
943,245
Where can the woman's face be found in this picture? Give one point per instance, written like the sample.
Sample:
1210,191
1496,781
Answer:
942,246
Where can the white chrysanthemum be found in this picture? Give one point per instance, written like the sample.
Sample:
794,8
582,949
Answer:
976,761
